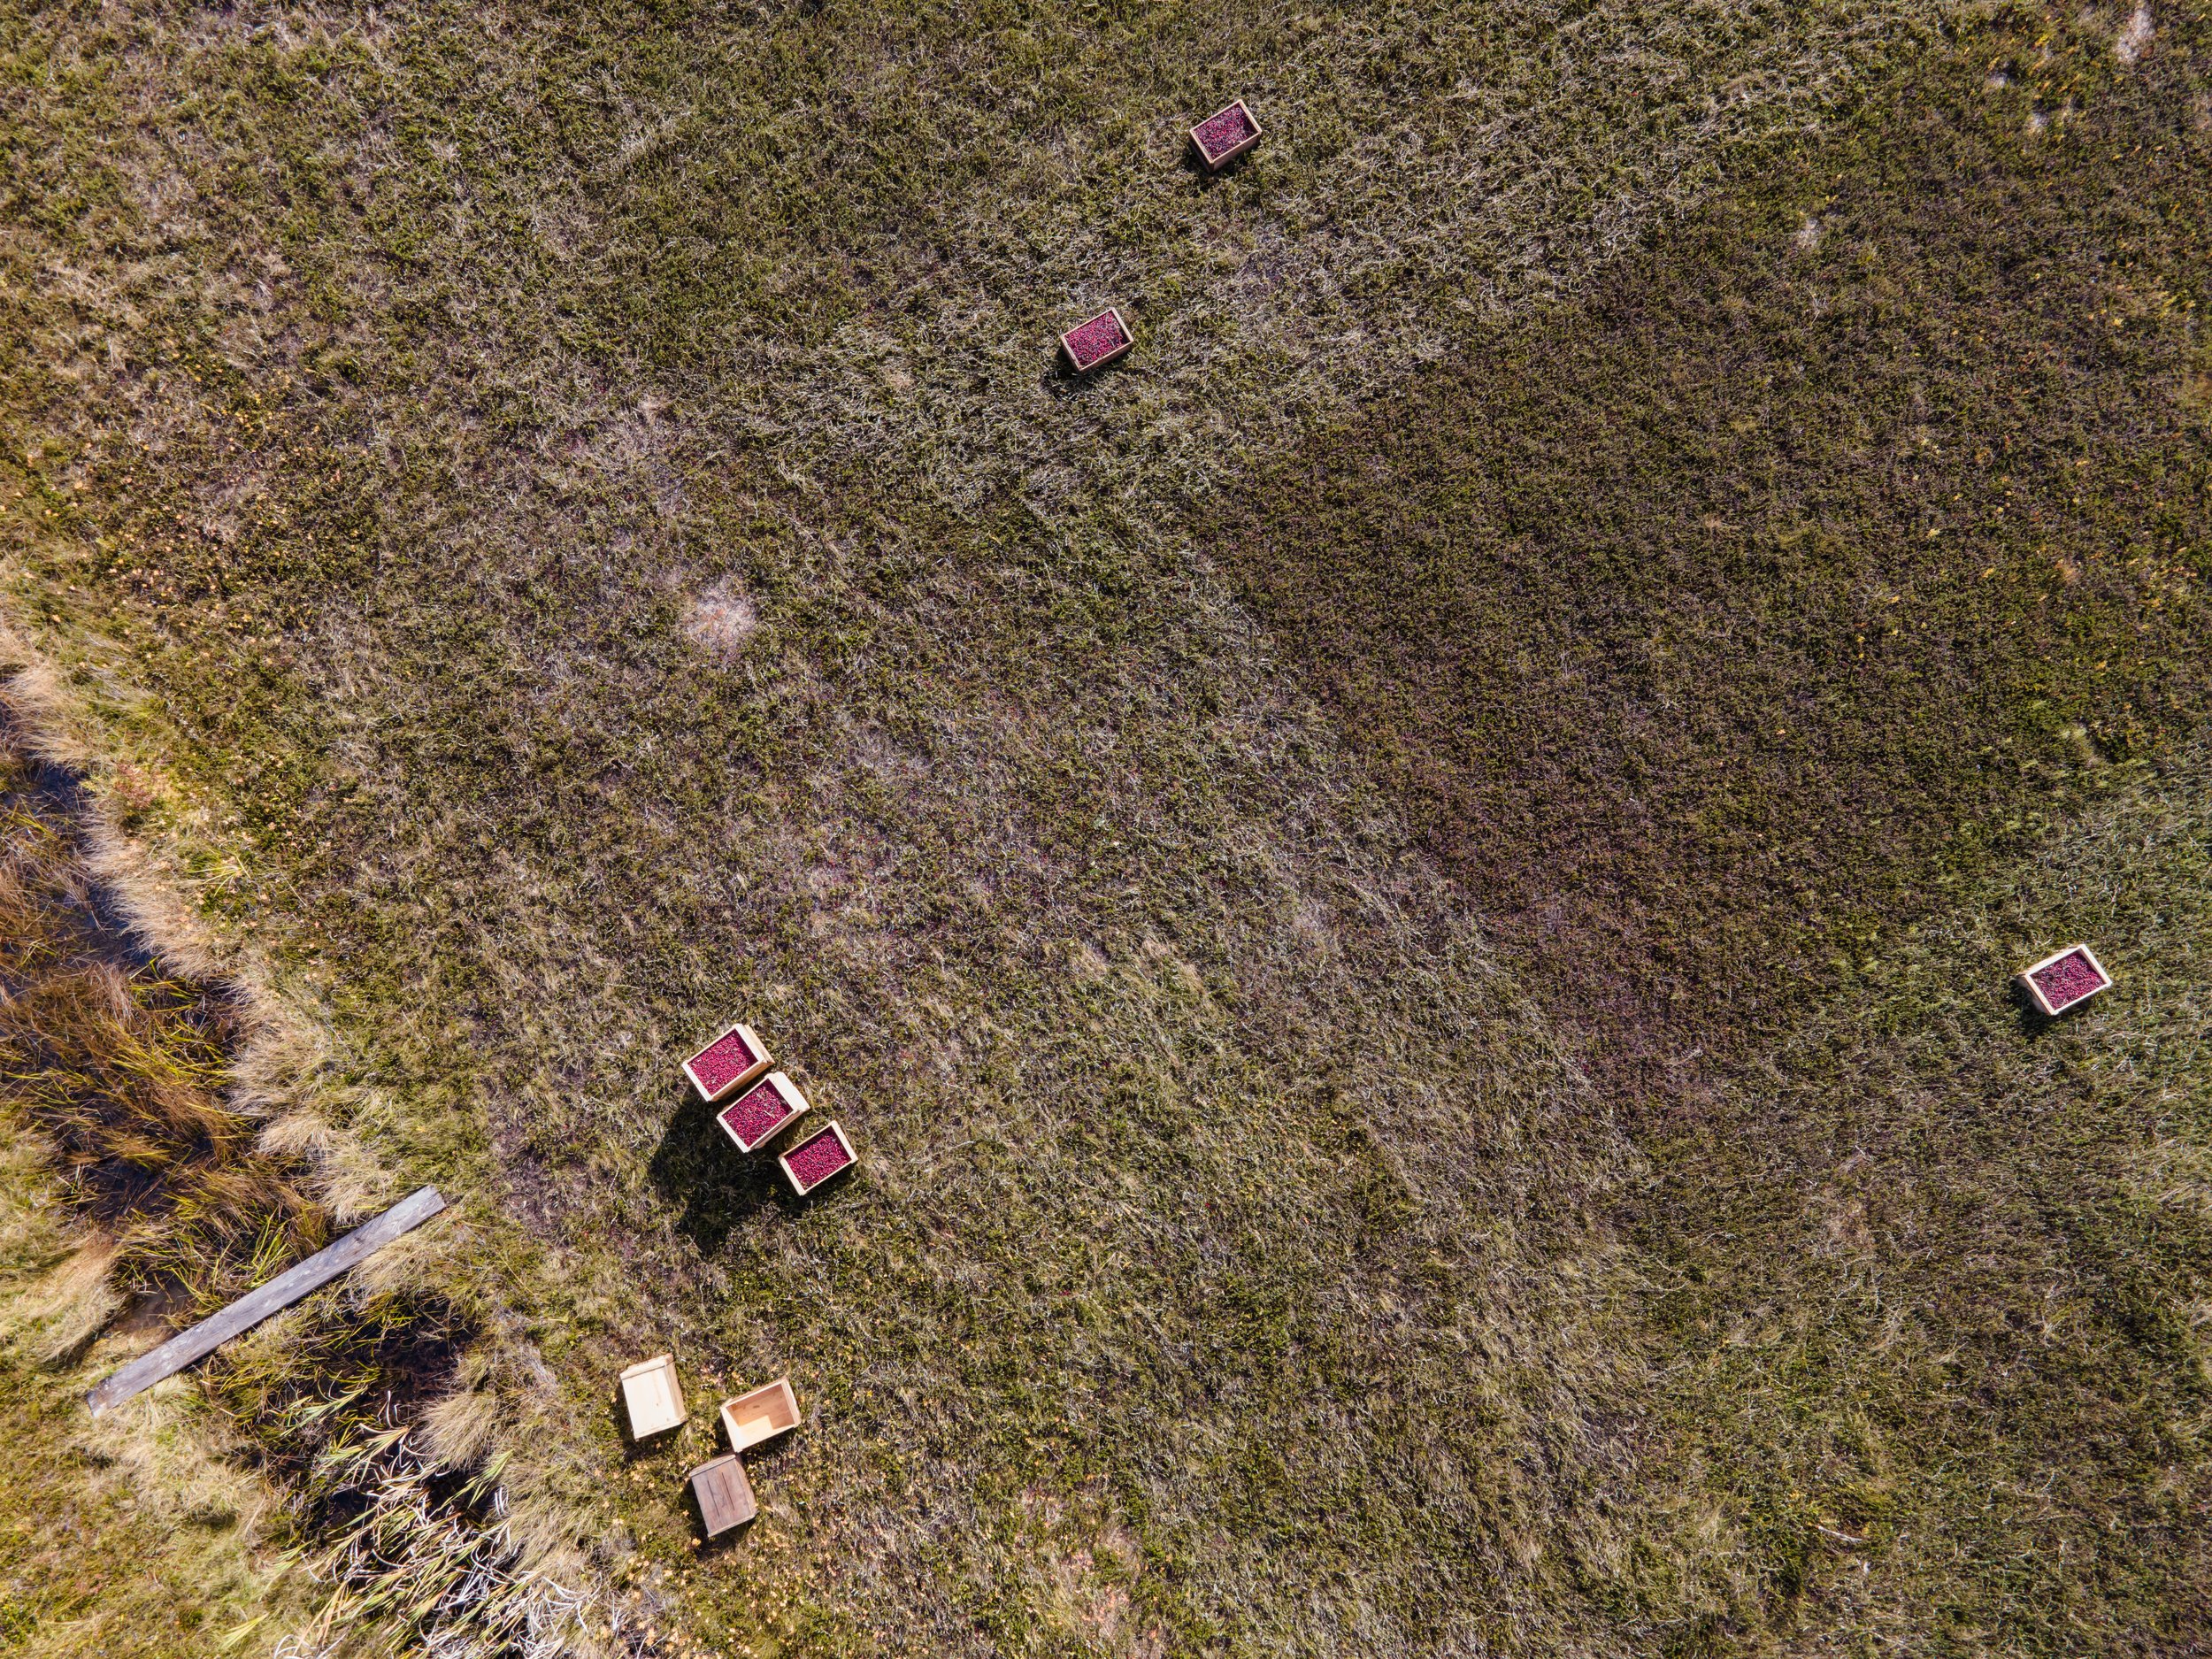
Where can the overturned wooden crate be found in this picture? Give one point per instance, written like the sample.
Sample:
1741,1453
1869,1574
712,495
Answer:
760,1414
761,1112
2065,979
653,1397
824,1154
724,1494
729,1063
1224,135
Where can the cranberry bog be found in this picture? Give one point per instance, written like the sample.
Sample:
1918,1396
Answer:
761,1112
726,1065
821,1155
1096,343
1449,634
2065,979
1224,135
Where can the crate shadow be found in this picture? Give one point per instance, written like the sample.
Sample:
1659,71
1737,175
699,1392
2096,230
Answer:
2033,1021
714,1186
651,1451
1194,164
1063,380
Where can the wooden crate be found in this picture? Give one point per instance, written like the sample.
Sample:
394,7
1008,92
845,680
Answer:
1096,341
735,1058
761,1112
1225,134
2054,986
804,1177
724,1494
760,1414
653,1397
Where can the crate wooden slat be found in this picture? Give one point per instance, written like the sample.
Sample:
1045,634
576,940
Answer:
653,1397
760,1414
724,1494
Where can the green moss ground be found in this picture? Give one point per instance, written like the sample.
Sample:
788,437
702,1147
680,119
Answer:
1424,1013
1832,548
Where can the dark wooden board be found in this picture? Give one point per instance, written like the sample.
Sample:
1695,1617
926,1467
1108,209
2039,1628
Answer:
725,1496
278,1294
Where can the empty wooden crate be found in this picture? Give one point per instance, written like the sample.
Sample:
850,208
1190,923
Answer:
761,1414
724,1496
728,1064
653,1397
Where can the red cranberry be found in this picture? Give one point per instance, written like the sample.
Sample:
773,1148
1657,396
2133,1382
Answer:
817,1159
2067,979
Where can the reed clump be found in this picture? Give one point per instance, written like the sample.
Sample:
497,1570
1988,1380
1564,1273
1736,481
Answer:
123,1071
414,1552
121,1067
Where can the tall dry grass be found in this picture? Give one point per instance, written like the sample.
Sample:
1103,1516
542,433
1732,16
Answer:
121,1066
418,1555
124,1070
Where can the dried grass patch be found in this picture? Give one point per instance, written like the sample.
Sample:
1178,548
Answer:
721,621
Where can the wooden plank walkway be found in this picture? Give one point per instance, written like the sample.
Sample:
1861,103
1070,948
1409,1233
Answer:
278,1294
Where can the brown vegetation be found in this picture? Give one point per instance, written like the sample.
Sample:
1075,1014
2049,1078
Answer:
123,1067
1108,787
119,1072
